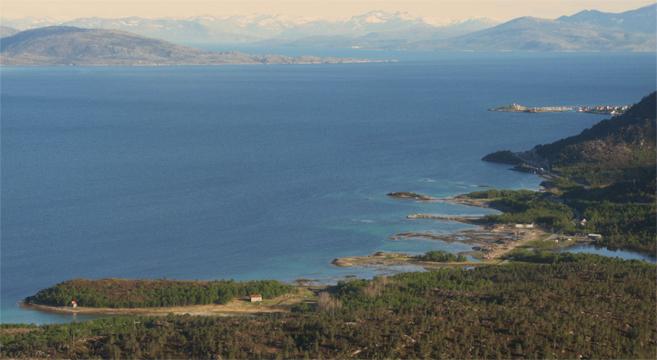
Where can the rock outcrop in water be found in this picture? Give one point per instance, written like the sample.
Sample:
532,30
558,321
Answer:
410,195
503,157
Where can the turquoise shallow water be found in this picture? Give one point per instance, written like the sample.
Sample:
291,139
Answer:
251,172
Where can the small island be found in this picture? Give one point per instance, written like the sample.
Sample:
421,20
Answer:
531,109
410,196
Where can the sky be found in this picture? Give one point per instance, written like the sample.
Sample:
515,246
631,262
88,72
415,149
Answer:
434,10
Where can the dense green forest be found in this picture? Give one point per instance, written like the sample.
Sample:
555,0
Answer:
441,256
524,206
572,306
625,225
117,293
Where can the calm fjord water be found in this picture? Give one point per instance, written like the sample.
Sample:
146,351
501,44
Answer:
251,172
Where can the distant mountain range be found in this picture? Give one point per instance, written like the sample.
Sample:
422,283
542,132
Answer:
7,31
641,20
585,31
589,30
254,29
66,45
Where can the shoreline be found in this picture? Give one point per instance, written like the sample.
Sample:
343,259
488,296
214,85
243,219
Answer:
347,61
491,241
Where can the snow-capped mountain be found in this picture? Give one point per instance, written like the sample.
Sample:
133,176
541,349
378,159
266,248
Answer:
589,30
398,26
29,23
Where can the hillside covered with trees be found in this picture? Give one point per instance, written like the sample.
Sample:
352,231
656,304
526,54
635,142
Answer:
606,175
574,306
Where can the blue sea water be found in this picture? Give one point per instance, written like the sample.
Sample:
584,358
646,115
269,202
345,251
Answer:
250,172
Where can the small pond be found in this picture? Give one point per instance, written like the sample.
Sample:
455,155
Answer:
623,254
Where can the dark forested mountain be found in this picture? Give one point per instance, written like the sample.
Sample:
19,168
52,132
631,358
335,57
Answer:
65,45
625,140
621,143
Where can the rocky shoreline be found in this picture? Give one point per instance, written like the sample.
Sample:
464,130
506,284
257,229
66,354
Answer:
490,241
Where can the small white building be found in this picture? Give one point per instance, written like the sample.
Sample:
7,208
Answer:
255,298
524,226
74,304
594,236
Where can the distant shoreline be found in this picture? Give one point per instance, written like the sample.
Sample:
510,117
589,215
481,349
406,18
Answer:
345,61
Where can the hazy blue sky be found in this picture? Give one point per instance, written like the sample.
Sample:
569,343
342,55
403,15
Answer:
437,10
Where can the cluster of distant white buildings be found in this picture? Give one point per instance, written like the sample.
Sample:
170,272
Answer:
515,107
604,109
598,109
